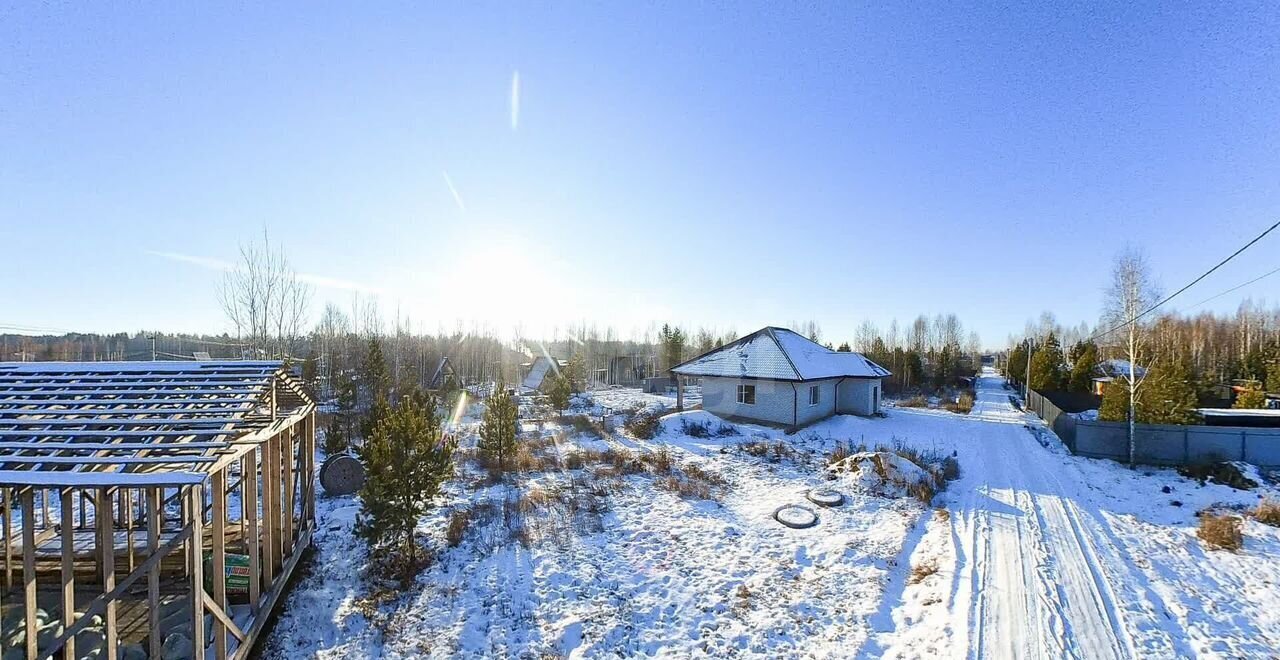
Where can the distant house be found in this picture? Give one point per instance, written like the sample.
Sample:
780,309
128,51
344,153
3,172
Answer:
445,376
777,376
536,372
1110,370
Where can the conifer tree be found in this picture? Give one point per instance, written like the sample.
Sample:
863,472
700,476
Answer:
374,371
844,348
1084,358
1046,366
335,436
407,458
1170,397
1115,403
498,428
1252,397
576,373
1273,376
379,411
559,391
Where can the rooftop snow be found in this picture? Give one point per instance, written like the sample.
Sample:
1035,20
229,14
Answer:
780,354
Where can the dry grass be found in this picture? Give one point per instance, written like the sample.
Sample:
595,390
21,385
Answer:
917,401
459,520
659,462
1268,512
642,424
922,571
963,404
1221,531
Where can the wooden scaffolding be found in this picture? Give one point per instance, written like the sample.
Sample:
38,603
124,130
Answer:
126,487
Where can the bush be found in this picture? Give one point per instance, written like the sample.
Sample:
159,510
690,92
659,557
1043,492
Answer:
580,424
1221,531
963,404
457,529
922,571
642,424
660,461
1268,512
917,401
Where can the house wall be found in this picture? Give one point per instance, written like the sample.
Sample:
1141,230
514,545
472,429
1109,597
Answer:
774,399
826,407
857,396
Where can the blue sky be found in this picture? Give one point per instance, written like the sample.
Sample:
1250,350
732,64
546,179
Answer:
728,167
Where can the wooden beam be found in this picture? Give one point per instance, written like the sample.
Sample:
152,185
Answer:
270,509
195,567
221,619
272,595
287,456
249,479
69,569
8,536
106,543
219,559
154,525
99,604
29,568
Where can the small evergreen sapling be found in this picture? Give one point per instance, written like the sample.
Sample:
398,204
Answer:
1252,397
559,392
407,458
498,428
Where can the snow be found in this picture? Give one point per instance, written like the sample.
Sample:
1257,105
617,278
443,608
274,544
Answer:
1031,553
778,353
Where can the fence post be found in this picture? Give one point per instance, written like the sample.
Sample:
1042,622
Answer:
1186,445
1244,444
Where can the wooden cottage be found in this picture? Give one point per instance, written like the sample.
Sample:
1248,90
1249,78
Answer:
150,508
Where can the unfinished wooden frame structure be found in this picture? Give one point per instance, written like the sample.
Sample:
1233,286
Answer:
122,483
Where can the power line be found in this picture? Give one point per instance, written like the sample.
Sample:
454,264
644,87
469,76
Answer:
1188,286
1234,288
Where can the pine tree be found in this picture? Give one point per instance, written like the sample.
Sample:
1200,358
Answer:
1115,402
406,458
576,373
559,391
1084,358
1046,366
1273,377
335,437
1170,395
498,428
1252,397
844,348
671,342
310,372
374,371
379,411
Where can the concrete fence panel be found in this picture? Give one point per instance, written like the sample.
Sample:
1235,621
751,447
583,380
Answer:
1262,447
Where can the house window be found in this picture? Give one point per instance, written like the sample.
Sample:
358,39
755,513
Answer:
747,394
815,395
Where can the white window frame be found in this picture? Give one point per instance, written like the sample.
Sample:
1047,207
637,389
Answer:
815,395
742,392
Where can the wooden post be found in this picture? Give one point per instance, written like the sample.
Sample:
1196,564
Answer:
679,395
249,479
28,507
106,541
154,527
126,511
309,442
286,507
8,536
68,569
270,509
219,563
195,567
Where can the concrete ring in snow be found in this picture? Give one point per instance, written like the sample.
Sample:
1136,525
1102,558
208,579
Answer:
795,516
825,497
342,474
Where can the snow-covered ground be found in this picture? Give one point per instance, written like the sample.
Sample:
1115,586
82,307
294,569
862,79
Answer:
1032,553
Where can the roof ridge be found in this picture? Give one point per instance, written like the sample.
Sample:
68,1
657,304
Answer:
783,349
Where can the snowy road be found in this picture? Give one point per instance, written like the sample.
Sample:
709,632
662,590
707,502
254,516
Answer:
1030,580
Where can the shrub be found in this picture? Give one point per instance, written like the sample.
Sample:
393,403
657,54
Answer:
922,571
1221,531
917,401
695,429
659,461
457,529
559,391
963,404
642,424
1268,512
580,423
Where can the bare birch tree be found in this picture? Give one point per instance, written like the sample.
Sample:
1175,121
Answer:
264,298
1132,292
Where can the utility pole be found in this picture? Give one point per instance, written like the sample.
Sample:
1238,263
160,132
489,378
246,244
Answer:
1026,384
153,347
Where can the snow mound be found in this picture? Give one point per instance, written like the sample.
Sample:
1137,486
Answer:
677,422
879,473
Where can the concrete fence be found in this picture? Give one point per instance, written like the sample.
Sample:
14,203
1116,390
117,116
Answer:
1159,444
